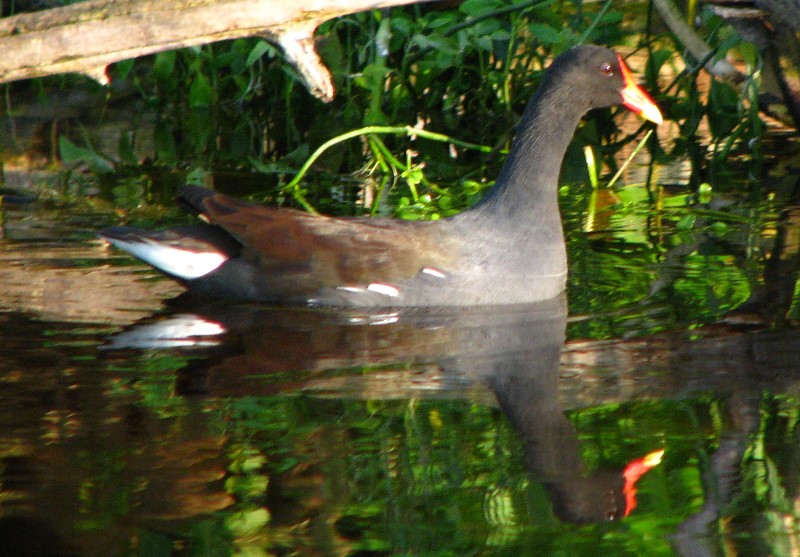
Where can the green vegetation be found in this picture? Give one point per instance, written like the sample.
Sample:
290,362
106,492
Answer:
462,73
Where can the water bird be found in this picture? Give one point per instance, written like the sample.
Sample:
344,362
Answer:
506,249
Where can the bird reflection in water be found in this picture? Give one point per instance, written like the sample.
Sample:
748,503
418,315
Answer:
514,351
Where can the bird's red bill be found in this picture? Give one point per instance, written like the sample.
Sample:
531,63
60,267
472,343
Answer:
635,470
636,99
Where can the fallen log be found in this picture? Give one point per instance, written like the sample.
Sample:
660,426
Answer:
86,37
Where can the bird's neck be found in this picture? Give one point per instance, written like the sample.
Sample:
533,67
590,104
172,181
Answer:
527,187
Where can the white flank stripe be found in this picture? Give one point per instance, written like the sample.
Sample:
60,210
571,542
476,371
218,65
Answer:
350,288
434,272
385,289
380,319
384,320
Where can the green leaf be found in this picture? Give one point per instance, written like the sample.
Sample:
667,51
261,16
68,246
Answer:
486,27
657,59
71,153
127,155
123,68
723,114
198,176
478,7
443,20
164,65
226,60
164,140
201,94
749,53
128,193
545,34
261,48
374,117
719,229
247,522
272,167
373,76
727,44
686,222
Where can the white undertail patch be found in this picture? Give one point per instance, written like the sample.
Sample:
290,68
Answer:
185,330
181,263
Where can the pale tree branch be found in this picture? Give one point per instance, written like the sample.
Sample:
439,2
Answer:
696,46
86,37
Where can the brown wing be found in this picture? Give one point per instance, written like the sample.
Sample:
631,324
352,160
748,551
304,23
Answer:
326,251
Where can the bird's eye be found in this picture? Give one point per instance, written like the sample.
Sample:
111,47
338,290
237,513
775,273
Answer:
607,69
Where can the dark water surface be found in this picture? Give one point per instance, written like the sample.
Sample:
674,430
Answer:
131,425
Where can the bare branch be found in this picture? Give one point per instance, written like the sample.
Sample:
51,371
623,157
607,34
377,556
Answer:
88,36
696,46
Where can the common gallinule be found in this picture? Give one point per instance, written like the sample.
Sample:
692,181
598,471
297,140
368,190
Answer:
508,248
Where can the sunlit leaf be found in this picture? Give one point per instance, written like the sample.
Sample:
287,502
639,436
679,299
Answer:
260,48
